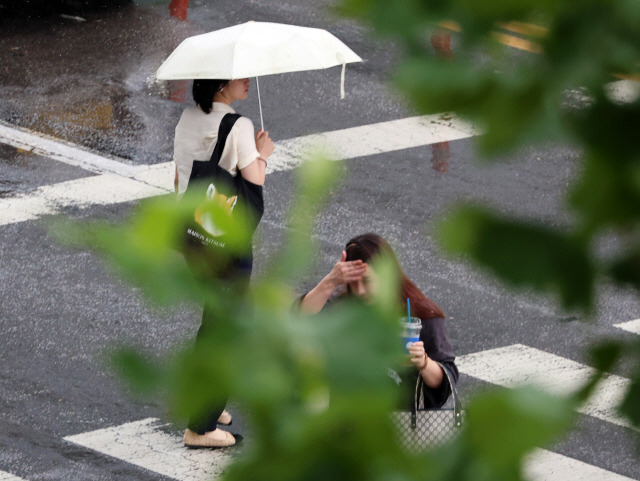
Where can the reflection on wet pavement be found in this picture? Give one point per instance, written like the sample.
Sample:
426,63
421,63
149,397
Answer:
441,151
91,82
92,115
23,172
440,156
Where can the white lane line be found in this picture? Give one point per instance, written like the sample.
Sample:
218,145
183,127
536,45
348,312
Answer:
348,143
62,151
9,477
158,179
101,189
544,465
631,326
517,364
144,444
372,139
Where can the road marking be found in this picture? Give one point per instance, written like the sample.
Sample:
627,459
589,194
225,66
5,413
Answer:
49,199
523,28
517,42
372,139
60,150
631,326
543,465
144,444
123,183
9,477
517,364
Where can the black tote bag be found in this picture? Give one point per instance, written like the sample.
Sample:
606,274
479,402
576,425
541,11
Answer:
211,183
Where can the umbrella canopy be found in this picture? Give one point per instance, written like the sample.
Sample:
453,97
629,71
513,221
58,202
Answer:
255,49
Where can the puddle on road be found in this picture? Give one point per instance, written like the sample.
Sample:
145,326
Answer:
22,171
90,82
105,123
92,115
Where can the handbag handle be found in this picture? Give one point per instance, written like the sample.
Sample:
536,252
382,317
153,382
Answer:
457,405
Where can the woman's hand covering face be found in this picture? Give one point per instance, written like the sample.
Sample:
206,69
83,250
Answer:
345,271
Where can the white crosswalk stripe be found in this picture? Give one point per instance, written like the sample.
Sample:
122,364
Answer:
147,443
372,139
62,151
543,465
517,364
121,182
144,443
9,477
631,326
97,190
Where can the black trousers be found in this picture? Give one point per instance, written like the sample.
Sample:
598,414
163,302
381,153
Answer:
238,277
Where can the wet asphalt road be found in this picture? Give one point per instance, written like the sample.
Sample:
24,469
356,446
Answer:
89,82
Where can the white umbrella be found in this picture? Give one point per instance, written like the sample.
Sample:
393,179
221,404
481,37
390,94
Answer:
255,49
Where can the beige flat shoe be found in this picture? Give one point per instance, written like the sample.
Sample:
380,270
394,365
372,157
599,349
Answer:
213,439
225,418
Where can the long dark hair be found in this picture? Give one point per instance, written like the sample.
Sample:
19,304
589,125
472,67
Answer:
369,246
204,90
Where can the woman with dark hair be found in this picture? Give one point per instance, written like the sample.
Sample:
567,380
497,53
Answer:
197,133
243,154
354,275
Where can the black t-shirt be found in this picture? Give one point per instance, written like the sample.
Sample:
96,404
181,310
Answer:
436,345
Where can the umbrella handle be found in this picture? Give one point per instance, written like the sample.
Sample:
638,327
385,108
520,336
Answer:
259,103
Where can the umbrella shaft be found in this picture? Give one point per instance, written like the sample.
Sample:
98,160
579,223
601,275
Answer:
259,103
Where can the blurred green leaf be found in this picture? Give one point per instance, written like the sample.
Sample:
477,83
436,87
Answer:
137,370
626,269
522,253
607,194
606,354
315,387
315,180
504,425
630,405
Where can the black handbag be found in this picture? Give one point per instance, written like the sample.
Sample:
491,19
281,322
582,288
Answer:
211,183
419,430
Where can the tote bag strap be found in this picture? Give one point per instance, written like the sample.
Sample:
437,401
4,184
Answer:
227,123
457,405
203,169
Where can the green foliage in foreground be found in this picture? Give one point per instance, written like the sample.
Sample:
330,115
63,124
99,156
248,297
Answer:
561,93
316,389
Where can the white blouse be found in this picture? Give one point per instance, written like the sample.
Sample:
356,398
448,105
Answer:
196,136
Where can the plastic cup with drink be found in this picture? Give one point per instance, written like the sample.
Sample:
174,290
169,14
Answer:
411,327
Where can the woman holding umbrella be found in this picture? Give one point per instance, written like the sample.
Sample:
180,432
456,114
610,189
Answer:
195,138
197,133
251,49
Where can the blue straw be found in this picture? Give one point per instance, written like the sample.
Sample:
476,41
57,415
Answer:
409,309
